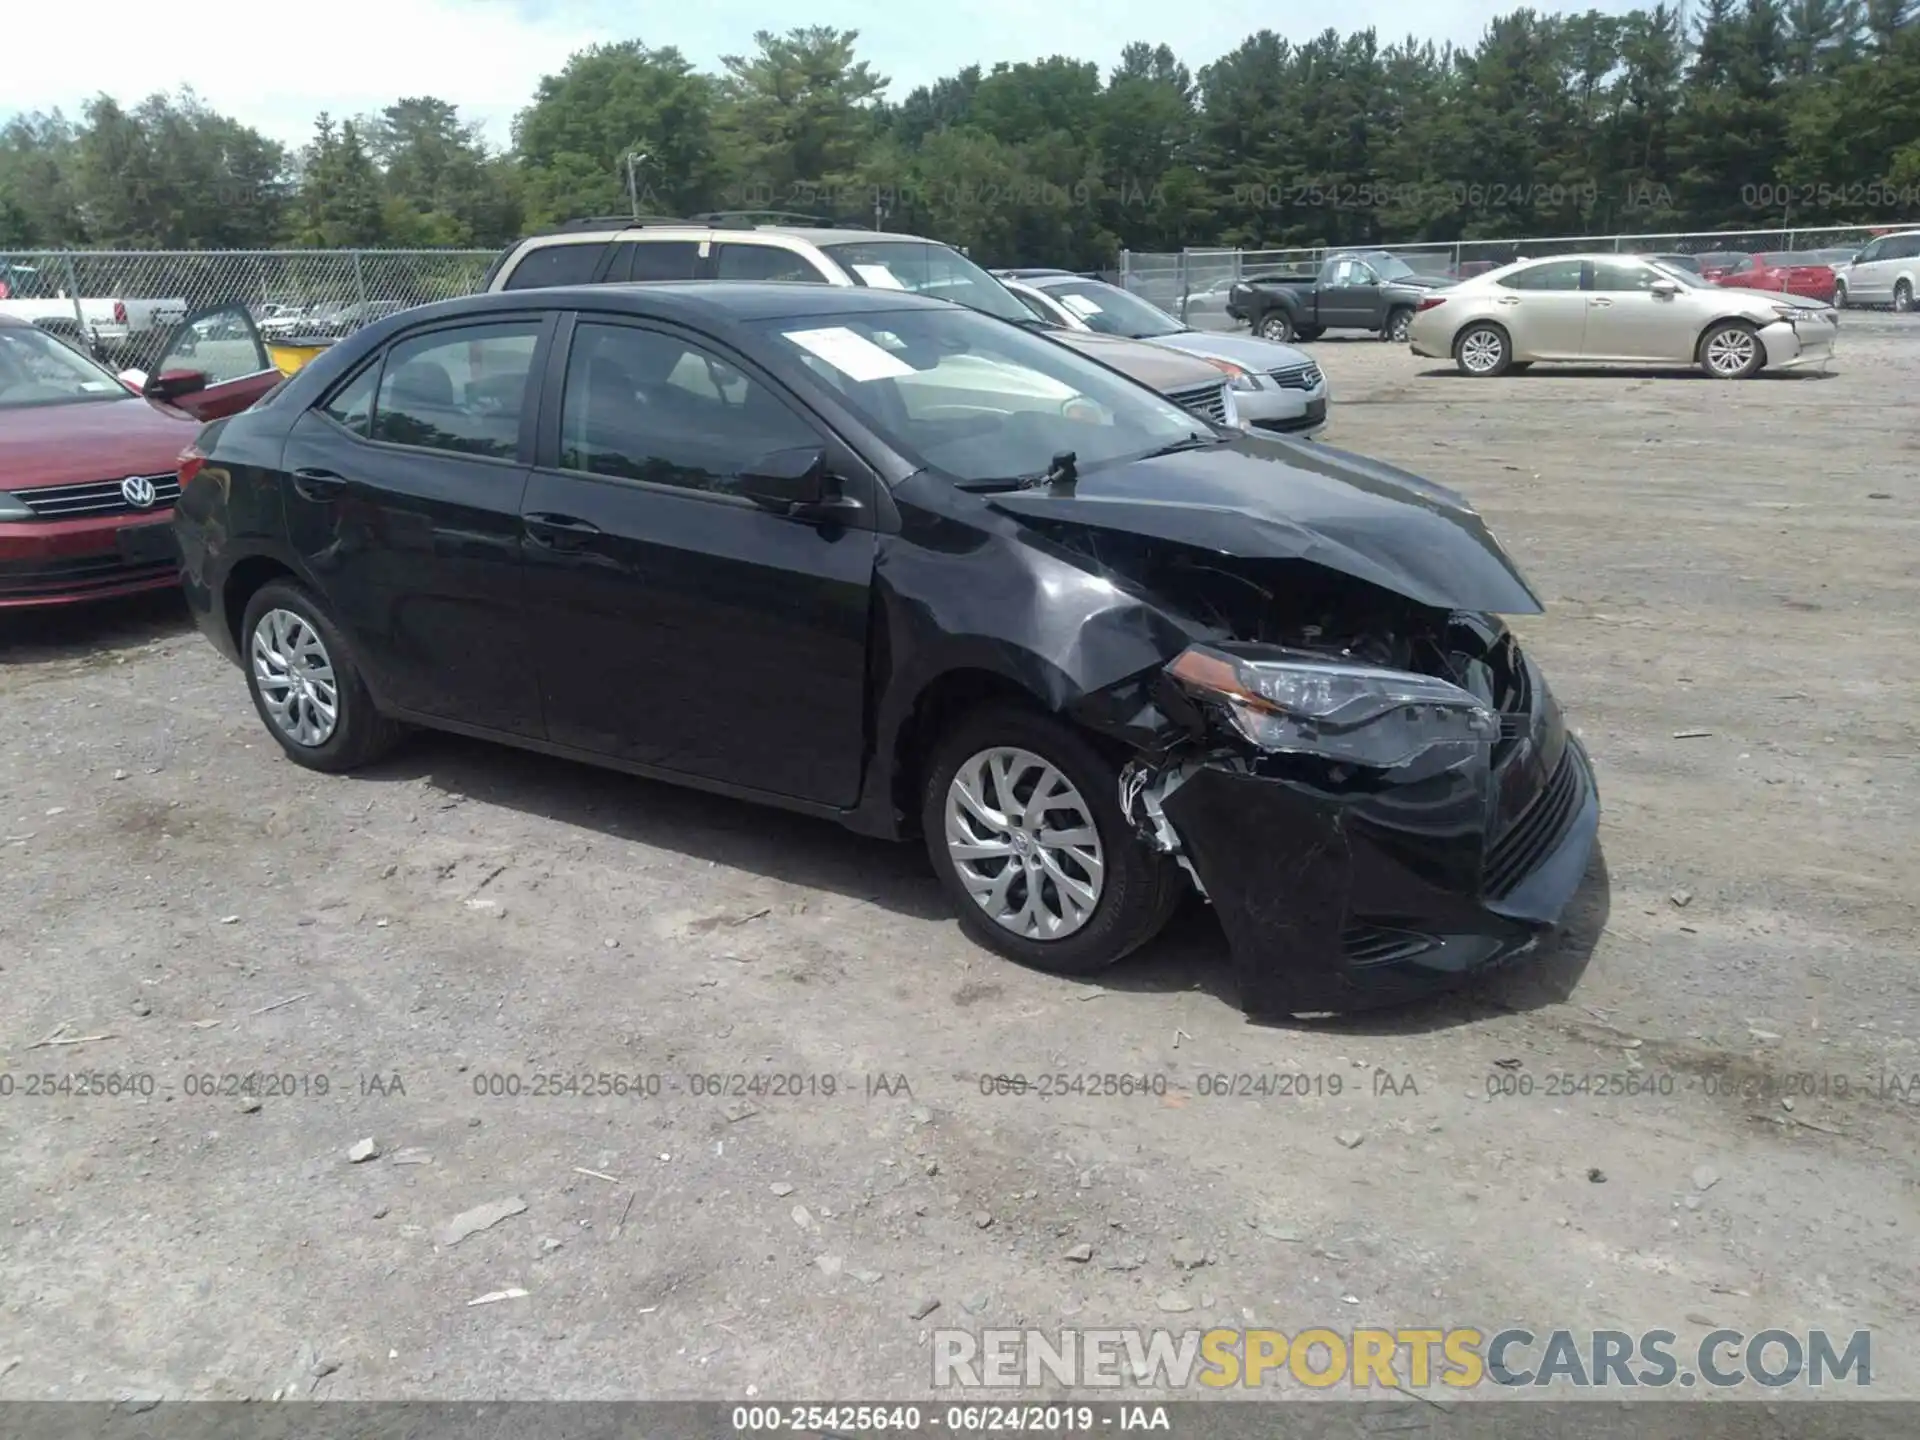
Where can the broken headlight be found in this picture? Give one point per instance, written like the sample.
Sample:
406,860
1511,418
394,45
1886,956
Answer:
1353,714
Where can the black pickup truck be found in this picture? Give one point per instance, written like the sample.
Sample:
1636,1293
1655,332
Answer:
1356,290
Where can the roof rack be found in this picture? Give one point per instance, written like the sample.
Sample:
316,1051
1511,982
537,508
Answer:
615,222
751,219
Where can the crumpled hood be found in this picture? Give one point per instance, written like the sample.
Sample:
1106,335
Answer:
1273,498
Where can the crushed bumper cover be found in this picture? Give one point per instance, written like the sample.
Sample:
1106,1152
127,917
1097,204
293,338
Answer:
1346,902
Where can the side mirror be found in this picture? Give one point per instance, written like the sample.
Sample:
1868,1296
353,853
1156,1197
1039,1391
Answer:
1665,289
172,384
797,484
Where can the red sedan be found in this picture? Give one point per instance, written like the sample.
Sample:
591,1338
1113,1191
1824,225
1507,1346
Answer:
87,464
1788,272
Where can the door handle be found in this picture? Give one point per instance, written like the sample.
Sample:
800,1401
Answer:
1508,300
559,532
317,484
1600,304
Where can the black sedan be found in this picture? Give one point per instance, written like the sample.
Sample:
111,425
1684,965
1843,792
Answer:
890,561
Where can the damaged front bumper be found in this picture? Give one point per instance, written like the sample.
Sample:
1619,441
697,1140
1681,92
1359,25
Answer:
1339,897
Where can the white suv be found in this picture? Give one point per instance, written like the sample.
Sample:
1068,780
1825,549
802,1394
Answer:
614,252
1887,272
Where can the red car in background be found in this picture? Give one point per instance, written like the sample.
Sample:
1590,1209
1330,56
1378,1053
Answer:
1789,272
88,463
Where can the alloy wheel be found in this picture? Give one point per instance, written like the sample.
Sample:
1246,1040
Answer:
1276,327
1023,841
1732,351
1480,352
295,675
1397,330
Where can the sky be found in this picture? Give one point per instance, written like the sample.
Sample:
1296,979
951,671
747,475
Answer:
276,69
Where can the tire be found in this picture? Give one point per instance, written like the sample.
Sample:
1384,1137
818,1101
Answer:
1275,325
1731,350
1396,328
1483,350
359,733
1840,295
1138,888
1308,333
1517,367
1903,297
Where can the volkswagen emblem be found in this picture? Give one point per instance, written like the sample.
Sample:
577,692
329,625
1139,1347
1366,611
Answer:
139,492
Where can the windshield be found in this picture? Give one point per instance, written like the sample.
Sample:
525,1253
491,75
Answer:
1111,310
972,398
927,269
37,369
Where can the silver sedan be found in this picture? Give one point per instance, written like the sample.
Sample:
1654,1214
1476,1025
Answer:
1276,388
1618,310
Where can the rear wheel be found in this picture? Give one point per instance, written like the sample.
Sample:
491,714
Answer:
305,684
1276,325
1903,297
1022,821
1731,350
1482,349
1397,323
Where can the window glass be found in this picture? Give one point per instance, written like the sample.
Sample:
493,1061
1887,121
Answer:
221,345
460,390
1549,275
650,406
40,369
1902,247
765,262
564,264
925,268
352,404
1616,275
1353,272
1112,311
1038,307
655,260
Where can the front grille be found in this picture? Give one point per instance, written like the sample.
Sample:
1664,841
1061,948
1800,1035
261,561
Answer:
25,579
1207,400
96,497
1297,377
1537,831
1381,944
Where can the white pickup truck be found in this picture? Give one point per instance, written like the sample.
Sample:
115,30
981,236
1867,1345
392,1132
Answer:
117,330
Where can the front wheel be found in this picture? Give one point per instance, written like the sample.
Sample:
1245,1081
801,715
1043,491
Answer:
1397,325
1483,350
1308,333
1731,350
1275,325
1840,295
1903,297
1022,821
305,684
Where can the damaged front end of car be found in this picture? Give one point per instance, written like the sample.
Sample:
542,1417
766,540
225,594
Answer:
1377,797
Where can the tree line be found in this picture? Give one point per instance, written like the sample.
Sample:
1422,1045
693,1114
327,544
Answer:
1732,114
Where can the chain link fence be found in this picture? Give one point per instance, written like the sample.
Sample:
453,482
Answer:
1193,283
122,304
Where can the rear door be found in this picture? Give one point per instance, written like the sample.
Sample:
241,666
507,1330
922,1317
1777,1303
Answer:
1544,309
403,489
678,624
222,346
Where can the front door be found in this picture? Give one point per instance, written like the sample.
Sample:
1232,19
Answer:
403,498
1351,297
214,364
1628,320
678,624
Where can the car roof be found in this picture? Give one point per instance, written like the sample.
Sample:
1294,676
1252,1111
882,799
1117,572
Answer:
15,322
694,300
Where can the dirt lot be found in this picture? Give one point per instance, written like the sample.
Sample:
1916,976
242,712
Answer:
1734,564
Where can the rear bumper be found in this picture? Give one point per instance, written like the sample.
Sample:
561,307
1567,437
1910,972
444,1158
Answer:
64,562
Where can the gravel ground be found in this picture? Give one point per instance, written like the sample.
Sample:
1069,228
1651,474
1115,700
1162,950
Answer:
1732,564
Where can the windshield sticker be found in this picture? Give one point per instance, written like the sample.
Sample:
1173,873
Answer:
879,277
853,355
94,387
1080,305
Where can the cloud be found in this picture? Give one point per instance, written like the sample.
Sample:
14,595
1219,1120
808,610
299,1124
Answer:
277,72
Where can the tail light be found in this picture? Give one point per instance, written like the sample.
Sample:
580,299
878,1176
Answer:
191,462
119,312
1427,302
